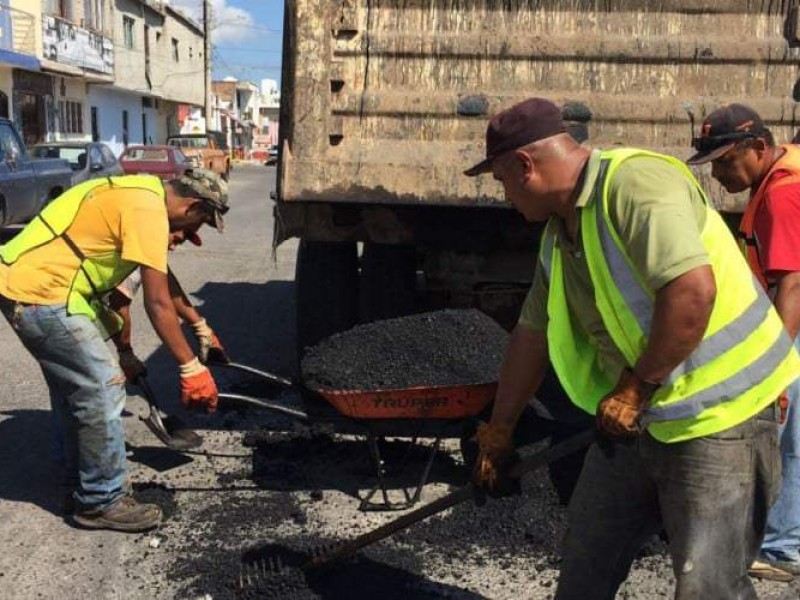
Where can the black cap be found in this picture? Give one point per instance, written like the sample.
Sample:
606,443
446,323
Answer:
524,123
722,129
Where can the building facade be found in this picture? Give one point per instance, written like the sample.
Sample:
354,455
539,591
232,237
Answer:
107,70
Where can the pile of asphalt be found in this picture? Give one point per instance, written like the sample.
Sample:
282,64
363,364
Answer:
447,347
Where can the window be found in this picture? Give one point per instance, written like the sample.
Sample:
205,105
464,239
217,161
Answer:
108,156
70,113
127,31
175,56
125,127
93,14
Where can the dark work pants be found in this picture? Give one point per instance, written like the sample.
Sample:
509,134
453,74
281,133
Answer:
710,494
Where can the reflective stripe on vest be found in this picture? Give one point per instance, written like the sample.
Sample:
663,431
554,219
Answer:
94,275
743,362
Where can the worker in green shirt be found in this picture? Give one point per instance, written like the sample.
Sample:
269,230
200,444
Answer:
652,321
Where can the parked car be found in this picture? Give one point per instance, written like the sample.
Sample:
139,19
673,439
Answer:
27,184
203,151
272,155
87,160
168,162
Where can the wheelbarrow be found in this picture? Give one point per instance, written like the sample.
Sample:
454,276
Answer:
436,412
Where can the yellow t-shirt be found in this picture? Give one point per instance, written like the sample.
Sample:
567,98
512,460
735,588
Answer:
129,222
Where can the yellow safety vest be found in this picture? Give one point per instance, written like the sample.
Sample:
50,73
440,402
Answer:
96,275
744,361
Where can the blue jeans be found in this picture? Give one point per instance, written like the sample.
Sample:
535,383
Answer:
87,394
710,494
782,539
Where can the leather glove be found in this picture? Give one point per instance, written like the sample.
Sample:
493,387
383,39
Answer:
198,388
131,365
783,405
495,457
210,346
619,412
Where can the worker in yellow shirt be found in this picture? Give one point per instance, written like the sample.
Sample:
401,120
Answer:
53,278
208,344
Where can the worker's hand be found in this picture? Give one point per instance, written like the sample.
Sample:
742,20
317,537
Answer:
619,413
211,348
495,457
198,388
131,365
783,405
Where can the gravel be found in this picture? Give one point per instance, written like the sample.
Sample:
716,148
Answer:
447,347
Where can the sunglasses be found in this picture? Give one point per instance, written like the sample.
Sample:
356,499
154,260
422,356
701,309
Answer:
712,142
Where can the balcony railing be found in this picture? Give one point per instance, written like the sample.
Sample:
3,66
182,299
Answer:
17,31
69,44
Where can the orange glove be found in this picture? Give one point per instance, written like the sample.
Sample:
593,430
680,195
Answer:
618,414
131,365
783,404
198,388
494,453
210,346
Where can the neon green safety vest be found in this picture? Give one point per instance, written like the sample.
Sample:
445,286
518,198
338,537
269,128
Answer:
95,275
744,361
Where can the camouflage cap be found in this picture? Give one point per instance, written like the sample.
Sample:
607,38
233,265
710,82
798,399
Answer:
209,187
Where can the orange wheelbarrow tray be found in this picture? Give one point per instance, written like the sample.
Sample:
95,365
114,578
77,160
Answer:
424,411
421,402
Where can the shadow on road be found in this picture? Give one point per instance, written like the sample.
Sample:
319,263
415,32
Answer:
27,470
254,321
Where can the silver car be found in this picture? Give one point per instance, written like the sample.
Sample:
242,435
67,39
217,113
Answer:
88,160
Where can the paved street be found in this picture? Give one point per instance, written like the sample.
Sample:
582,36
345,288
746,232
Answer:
284,486
245,297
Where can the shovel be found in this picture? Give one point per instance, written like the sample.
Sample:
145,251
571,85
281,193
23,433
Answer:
184,439
283,569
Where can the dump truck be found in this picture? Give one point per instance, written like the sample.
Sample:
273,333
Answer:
385,103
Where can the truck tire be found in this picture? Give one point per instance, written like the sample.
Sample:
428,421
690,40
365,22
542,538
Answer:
326,290
388,281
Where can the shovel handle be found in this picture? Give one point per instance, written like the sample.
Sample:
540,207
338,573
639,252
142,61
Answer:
526,465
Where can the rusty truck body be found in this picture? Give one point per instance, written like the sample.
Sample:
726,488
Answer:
385,103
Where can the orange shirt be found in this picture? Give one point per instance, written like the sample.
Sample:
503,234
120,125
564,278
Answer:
129,222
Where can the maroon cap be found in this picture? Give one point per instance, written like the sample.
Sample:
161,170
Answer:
722,129
522,124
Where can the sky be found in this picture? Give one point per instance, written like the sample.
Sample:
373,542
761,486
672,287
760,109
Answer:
246,37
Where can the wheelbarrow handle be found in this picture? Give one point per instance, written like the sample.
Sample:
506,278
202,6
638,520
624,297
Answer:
271,377
265,404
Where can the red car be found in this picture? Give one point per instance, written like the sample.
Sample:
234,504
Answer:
168,162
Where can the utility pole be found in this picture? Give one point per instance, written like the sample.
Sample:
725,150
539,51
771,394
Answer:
207,61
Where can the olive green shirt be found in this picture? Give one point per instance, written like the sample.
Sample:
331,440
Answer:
658,215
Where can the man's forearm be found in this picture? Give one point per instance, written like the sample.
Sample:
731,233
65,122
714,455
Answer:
183,307
787,302
165,322
680,318
122,340
521,375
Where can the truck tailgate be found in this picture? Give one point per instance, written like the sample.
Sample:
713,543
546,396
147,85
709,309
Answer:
387,101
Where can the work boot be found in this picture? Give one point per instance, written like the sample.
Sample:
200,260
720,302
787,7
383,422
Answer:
126,514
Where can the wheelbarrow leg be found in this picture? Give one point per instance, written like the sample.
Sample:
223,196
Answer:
425,473
377,463
410,499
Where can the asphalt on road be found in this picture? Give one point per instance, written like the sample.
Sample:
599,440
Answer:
258,483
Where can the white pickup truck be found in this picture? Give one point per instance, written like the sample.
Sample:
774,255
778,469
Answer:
26,184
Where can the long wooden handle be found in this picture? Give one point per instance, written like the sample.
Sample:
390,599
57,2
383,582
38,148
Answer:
526,465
